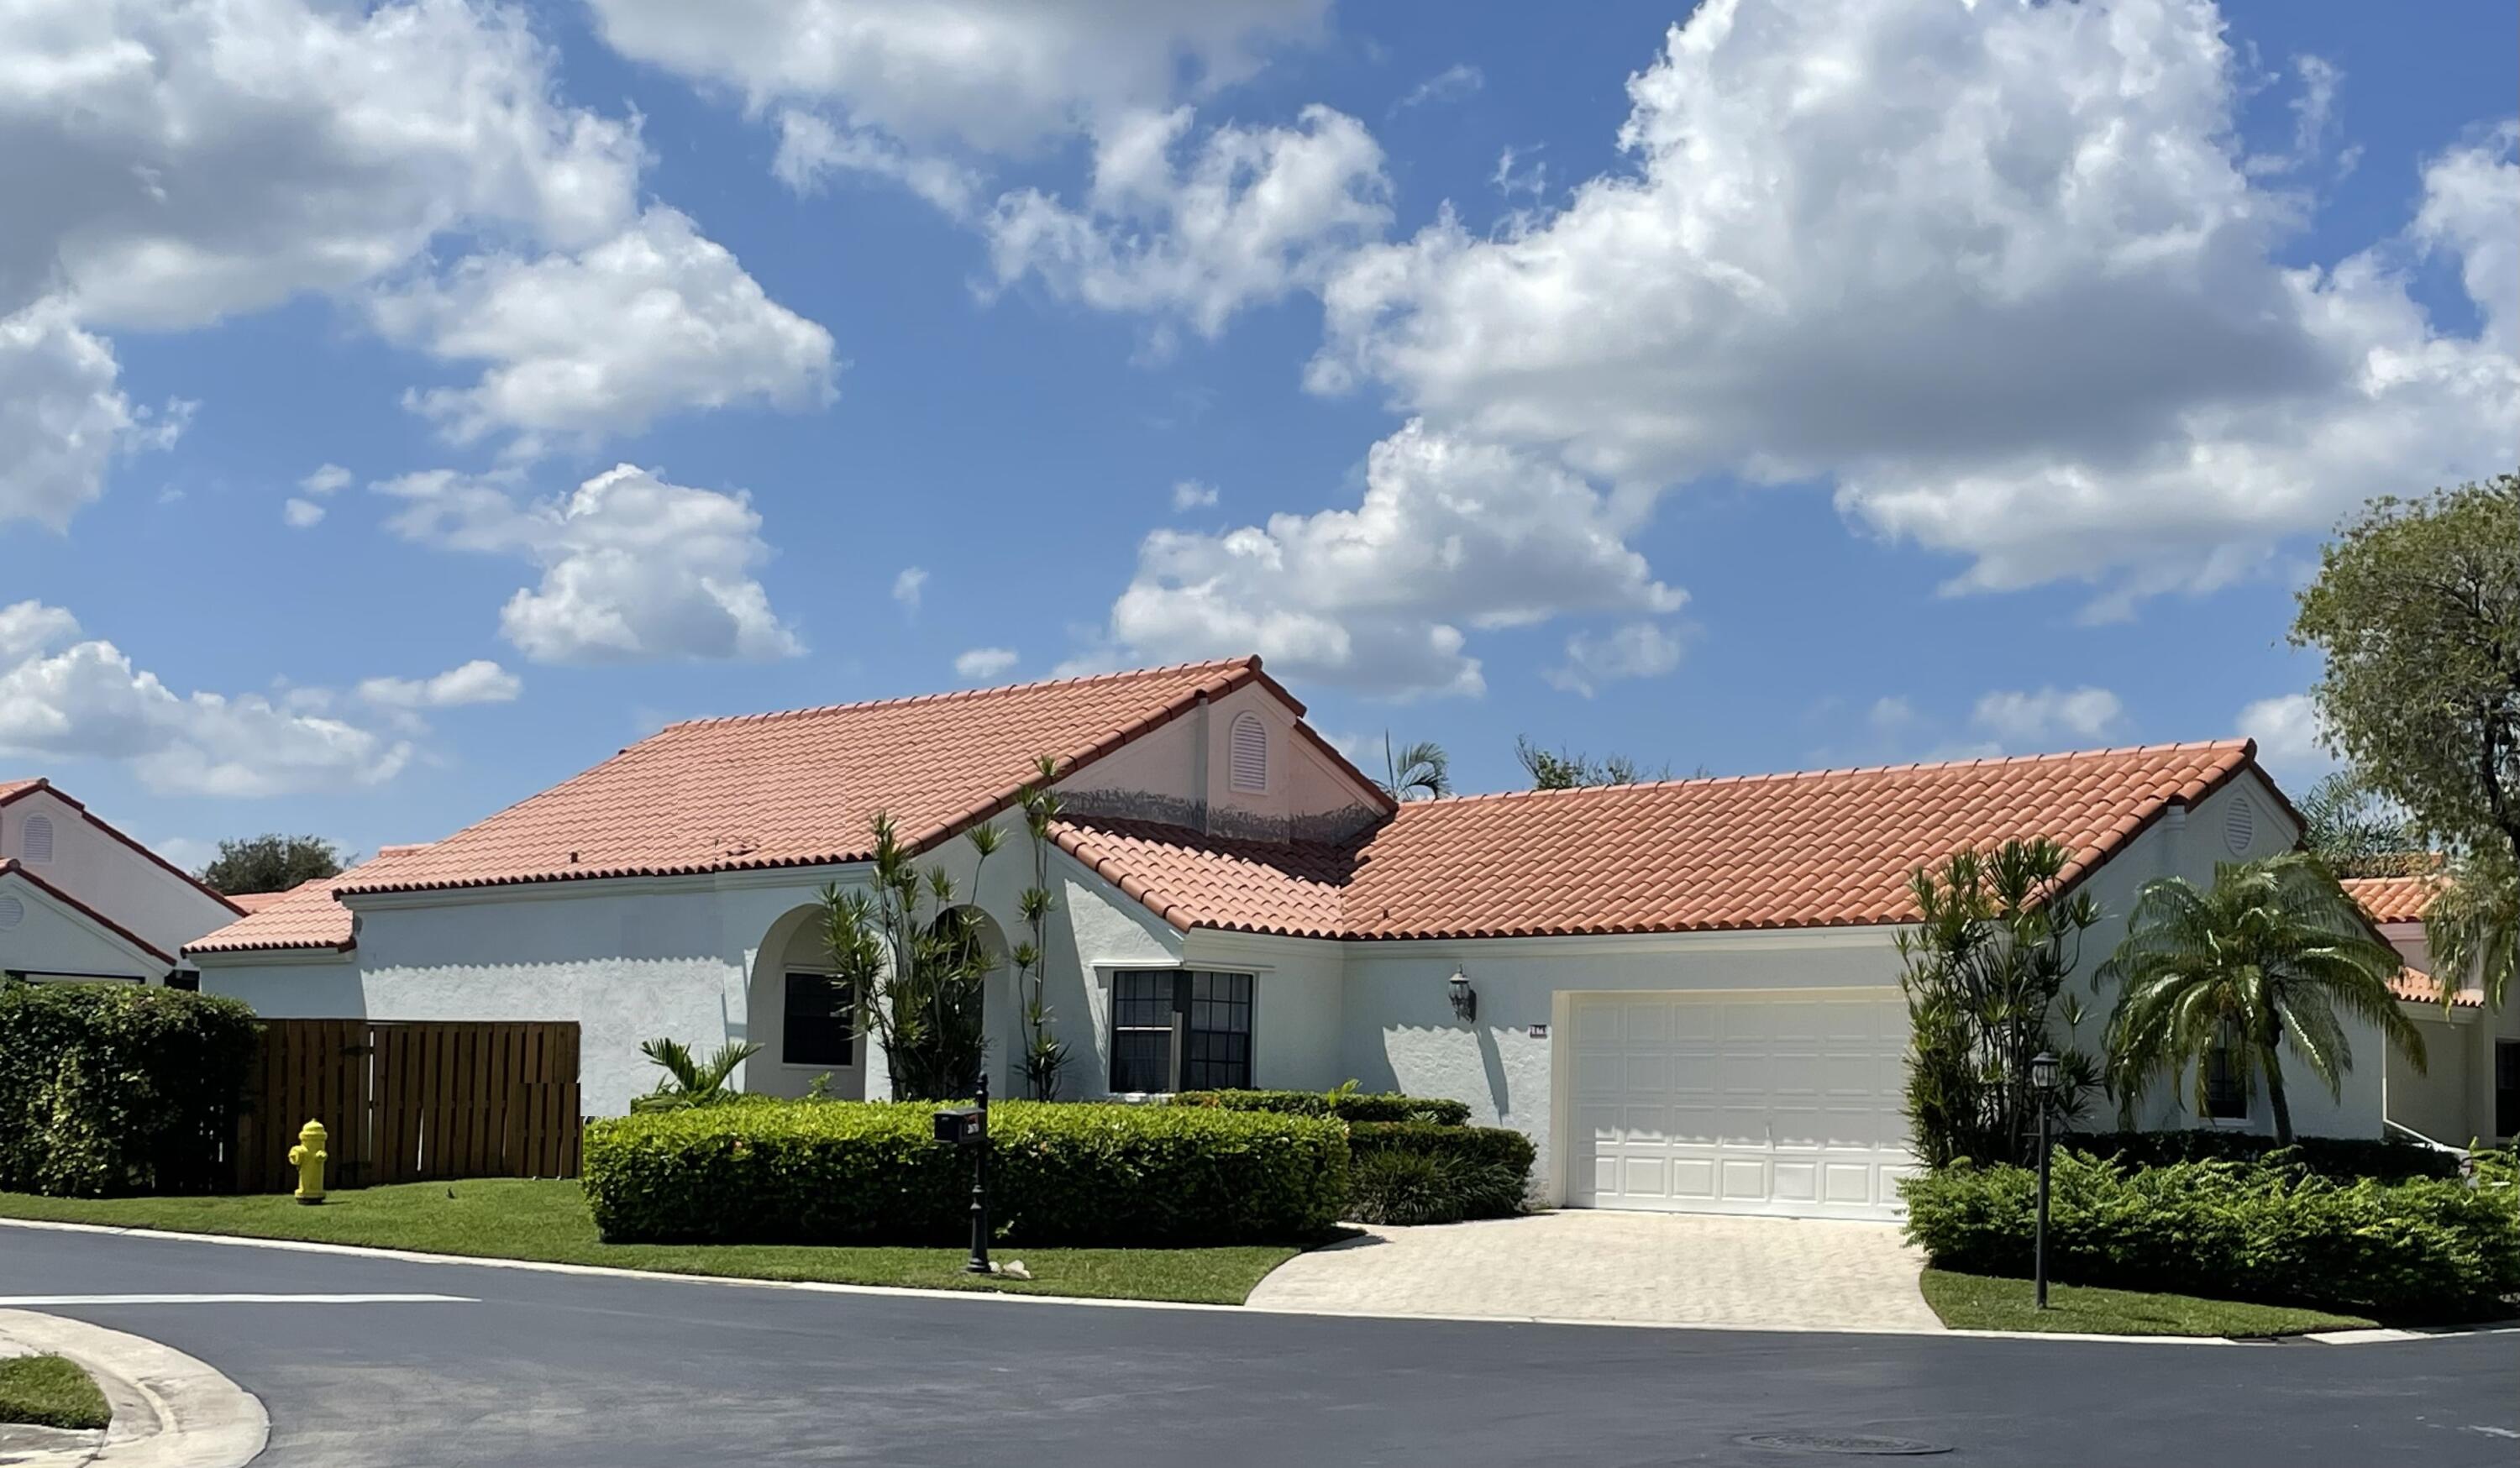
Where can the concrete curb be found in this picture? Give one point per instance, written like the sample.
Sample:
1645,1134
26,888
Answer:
169,1410
607,1271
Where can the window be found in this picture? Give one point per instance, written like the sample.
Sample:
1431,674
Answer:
1248,760
2227,1093
2507,1088
815,1029
1180,1030
35,840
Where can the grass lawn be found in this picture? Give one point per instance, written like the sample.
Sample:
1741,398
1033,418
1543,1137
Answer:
50,1391
547,1220
1975,1301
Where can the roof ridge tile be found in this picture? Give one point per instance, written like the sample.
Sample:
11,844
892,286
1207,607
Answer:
1224,666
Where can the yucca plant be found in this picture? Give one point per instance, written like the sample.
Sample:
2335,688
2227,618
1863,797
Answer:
688,1082
2273,957
1045,1054
913,964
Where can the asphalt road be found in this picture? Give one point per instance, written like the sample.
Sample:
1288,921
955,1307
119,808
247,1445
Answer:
558,1369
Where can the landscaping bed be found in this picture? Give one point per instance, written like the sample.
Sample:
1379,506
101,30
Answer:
1978,1302
50,1391
548,1221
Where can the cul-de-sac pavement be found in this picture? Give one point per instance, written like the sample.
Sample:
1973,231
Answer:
529,1367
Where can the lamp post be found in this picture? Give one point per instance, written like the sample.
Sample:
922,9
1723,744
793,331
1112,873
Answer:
2043,1086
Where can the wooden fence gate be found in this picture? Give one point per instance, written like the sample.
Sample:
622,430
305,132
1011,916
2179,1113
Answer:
407,1100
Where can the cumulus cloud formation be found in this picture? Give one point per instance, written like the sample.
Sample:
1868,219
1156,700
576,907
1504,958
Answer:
1197,234
2020,720
1637,650
1449,535
66,698
1994,271
479,681
2288,730
981,664
64,416
634,568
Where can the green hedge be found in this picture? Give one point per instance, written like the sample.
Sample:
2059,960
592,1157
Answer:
2346,1157
2274,1235
117,1088
852,1172
1347,1105
1425,1173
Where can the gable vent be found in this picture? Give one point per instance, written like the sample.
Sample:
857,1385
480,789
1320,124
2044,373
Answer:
1247,763
37,840
2241,827
12,911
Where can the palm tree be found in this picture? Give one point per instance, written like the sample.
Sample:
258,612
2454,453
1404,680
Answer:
686,1082
2473,925
2269,957
1419,772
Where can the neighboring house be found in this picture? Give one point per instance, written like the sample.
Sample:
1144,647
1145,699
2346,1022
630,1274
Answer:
79,900
2469,1088
1686,992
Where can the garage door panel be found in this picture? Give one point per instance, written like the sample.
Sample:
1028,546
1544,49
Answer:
1773,1103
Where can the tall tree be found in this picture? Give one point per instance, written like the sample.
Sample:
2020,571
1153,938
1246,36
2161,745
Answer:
270,862
2418,610
1416,772
2272,958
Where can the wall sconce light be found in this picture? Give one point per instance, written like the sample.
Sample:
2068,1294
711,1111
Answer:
1466,999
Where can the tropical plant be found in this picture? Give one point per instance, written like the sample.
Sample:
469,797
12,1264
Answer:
2356,832
1416,772
1566,769
688,1082
270,862
2273,957
911,962
1045,1055
2473,924
1986,964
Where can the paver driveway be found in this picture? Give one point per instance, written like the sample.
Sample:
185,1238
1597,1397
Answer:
1593,1264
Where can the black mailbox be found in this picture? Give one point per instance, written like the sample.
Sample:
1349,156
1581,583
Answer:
962,1126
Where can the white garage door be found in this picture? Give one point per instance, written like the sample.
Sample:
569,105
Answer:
1739,1103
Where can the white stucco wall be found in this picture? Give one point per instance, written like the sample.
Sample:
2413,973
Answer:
1182,774
104,874
52,939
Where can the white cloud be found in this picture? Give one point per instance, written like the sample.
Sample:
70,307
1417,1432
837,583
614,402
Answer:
909,586
328,478
655,319
1197,234
63,415
981,664
64,699
1449,534
1891,715
1637,650
301,514
2018,719
1510,181
479,681
2287,731
1193,493
189,853
995,74
634,568
1457,80
1994,270
811,148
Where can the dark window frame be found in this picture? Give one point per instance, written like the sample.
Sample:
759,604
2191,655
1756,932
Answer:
833,1031
2507,1088
2225,1098
1181,1029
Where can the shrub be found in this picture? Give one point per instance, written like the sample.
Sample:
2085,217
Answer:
1422,1173
2274,1235
117,1088
1348,1105
871,1172
2346,1157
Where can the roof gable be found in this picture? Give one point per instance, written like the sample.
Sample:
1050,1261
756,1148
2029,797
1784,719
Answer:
16,874
13,790
801,789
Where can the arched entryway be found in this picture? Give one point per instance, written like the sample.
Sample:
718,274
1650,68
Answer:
804,1021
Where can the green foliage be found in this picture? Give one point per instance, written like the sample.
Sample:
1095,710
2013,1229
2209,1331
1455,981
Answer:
912,961
1985,968
2274,1234
2344,1157
50,1391
1566,769
689,1083
1045,1055
2275,958
1428,1172
1416,772
117,1088
871,1172
270,862
1347,1103
2473,924
2356,832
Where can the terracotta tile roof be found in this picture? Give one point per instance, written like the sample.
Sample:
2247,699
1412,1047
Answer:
1827,848
253,901
2422,988
800,788
2391,899
303,916
11,790
10,866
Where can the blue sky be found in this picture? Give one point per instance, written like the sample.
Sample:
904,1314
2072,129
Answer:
1748,388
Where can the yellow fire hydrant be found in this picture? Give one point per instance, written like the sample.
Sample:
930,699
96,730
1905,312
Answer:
309,1158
